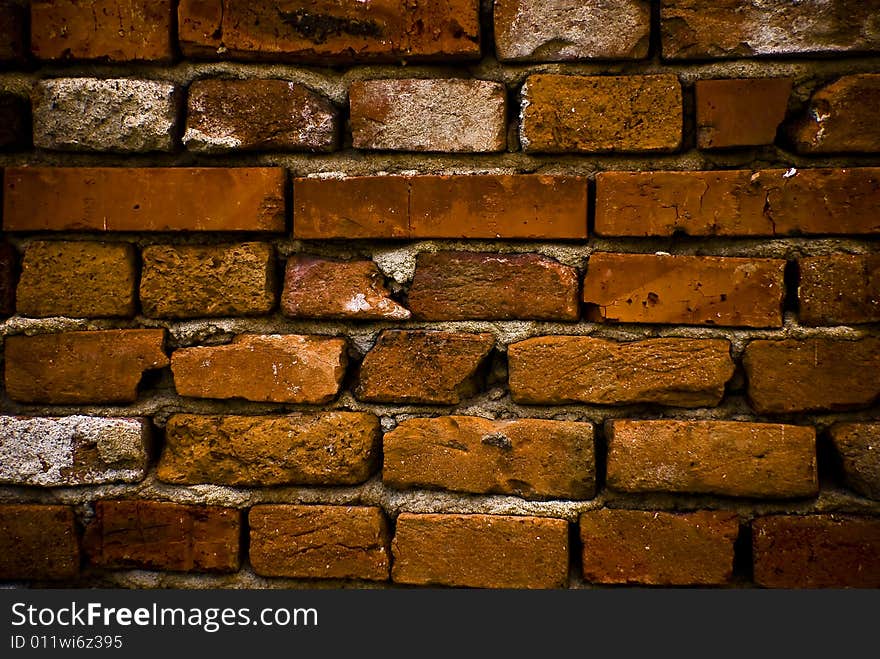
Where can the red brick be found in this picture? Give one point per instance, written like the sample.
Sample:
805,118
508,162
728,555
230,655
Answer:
690,290
858,446
8,261
743,112
38,542
841,289
480,551
143,199
13,30
842,116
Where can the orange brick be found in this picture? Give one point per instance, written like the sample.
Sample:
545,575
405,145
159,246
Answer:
743,112
38,542
840,289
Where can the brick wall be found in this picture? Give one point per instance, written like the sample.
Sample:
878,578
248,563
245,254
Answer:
532,294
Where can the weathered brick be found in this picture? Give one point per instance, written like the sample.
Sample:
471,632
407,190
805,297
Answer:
103,366
816,551
8,261
552,370
727,458
288,368
163,536
561,30
740,112
15,124
858,445
474,285
327,448
189,281
772,202
596,114
414,366
77,279
113,30
143,199
694,29
254,115
326,31
455,115
658,548
480,551
13,31
815,374
691,290
472,454
316,287
323,542
38,542
840,289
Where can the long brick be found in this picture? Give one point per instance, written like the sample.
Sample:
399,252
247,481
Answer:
15,120
727,458
858,445
658,548
8,266
553,370
840,289
472,454
323,542
808,375
816,551
740,112
326,448
38,542
13,31
143,199
277,368
773,202
598,114
690,290
163,536
480,551
103,366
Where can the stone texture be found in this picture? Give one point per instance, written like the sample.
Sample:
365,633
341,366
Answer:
143,199
816,551
258,115
658,548
15,128
316,287
326,448
320,542
809,375
530,458
554,370
740,112
480,551
415,366
163,536
103,366
773,202
190,281
453,115
840,289
858,445
37,542
8,266
81,279
72,450
563,30
689,290
277,368
726,458
13,31
599,114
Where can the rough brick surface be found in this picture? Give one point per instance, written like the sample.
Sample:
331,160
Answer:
335,542
530,458
189,281
15,128
839,289
72,450
816,551
429,115
740,112
561,30
812,374
163,536
260,115
596,114
657,548
475,285
858,445
13,31
413,366
288,368
727,458
8,260
37,542
689,290
77,279
552,370
143,199
114,30
481,551
328,448
104,366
